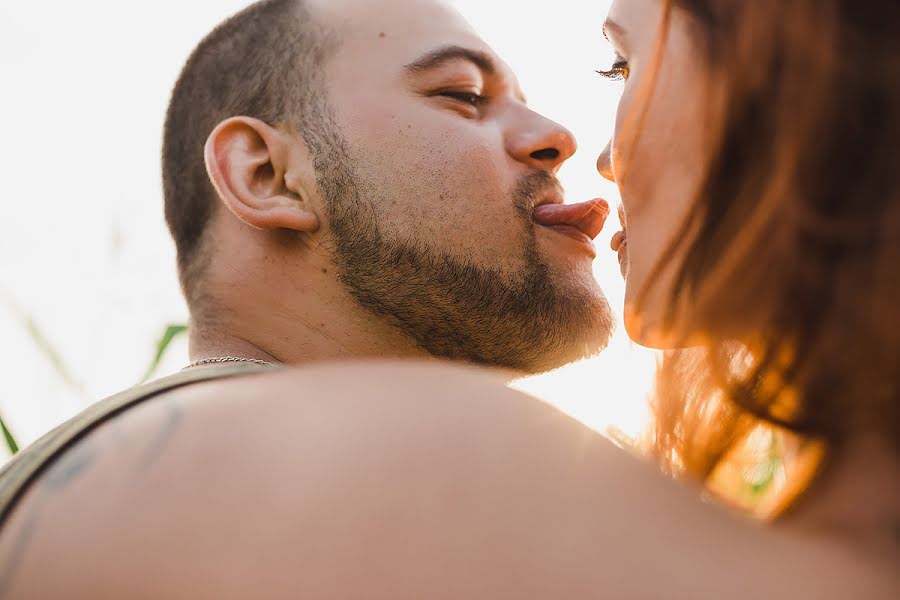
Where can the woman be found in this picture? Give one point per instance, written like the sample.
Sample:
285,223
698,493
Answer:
755,156
767,129
777,257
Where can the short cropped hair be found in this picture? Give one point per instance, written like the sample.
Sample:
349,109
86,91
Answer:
266,62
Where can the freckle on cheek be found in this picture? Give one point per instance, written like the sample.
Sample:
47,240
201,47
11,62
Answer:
382,35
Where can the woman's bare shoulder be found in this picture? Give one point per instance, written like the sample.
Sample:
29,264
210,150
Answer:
373,480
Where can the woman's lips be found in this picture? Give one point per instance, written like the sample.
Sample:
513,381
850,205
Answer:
618,240
619,244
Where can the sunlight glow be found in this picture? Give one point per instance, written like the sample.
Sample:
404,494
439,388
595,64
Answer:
86,255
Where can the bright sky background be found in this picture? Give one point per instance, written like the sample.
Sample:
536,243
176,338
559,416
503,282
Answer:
84,249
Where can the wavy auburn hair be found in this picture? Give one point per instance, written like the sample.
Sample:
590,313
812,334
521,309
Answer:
795,235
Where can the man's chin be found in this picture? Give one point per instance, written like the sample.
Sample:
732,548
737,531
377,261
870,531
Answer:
565,253
548,316
575,341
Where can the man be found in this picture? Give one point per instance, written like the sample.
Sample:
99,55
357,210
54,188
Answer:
343,179
373,188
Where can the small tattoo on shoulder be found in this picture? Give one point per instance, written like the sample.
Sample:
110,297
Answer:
173,419
72,465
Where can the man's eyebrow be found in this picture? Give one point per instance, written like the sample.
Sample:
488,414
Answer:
611,28
441,56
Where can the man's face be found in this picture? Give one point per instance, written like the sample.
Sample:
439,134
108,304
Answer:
435,169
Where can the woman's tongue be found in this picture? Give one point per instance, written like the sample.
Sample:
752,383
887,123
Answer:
587,217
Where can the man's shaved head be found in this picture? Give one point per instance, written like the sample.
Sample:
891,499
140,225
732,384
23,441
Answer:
265,62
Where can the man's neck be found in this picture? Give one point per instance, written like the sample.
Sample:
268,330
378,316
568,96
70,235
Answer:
279,299
316,331
212,345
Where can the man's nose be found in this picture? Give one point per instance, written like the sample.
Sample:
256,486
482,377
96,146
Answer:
604,163
541,143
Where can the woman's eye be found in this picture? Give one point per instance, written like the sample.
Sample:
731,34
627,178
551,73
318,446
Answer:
619,71
465,97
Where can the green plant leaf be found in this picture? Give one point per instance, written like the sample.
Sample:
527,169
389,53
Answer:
50,352
764,476
172,333
11,442
41,342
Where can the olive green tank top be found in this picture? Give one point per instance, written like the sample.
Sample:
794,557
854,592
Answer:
26,467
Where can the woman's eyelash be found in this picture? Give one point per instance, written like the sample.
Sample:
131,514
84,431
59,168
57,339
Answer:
618,72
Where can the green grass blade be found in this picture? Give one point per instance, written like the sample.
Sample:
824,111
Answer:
11,442
53,356
765,476
172,333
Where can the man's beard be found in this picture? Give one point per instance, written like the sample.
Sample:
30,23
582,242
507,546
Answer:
452,309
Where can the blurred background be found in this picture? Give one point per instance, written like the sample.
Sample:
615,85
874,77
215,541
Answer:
87,269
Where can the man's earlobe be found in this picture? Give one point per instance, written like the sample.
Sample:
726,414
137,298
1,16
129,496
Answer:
248,162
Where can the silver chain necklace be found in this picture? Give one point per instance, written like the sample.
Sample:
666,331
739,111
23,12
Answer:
217,360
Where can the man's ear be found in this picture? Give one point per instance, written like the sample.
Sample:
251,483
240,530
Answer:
249,163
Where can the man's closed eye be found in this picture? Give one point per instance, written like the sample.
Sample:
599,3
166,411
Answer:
469,98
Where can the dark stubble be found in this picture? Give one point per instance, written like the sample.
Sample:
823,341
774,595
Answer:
451,309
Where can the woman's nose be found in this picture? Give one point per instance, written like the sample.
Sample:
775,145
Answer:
604,163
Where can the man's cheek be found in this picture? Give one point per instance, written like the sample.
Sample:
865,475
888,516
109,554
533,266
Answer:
483,206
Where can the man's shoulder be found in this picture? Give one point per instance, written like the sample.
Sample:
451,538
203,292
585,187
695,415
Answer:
302,459
27,466
368,480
